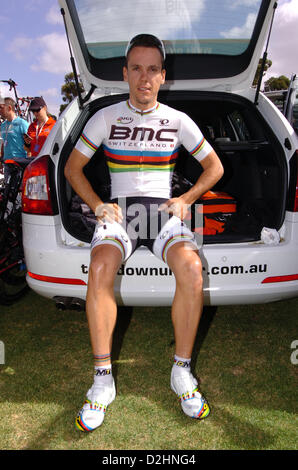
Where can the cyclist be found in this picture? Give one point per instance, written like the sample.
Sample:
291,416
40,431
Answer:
141,138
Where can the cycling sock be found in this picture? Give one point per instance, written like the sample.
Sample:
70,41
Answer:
103,374
102,368
180,364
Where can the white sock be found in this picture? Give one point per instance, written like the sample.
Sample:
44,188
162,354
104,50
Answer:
181,364
103,374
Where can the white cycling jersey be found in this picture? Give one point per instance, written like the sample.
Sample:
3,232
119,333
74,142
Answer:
142,146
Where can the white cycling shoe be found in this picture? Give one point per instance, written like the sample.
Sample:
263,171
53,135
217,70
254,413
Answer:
192,401
92,413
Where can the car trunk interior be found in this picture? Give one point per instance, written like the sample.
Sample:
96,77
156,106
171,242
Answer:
250,195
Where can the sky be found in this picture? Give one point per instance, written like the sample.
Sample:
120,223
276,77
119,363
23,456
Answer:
34,51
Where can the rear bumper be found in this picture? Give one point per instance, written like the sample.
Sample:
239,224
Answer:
141,298
233,274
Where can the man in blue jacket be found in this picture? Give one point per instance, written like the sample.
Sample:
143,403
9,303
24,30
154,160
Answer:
12,134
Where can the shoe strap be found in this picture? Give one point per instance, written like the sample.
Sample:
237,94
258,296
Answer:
188,395
95,406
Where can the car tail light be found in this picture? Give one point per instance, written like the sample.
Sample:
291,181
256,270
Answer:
38,196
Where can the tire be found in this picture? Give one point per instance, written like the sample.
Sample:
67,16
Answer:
13,284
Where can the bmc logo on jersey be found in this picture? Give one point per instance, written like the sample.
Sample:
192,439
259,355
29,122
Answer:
141,133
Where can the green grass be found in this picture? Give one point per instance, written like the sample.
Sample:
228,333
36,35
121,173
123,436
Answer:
242,359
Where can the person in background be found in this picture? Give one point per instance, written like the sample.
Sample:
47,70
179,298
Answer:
39,129
2,102
12,134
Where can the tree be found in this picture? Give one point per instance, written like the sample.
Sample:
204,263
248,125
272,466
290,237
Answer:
277,83
268,64
69,90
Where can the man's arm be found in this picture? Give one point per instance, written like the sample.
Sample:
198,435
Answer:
212,172
74,174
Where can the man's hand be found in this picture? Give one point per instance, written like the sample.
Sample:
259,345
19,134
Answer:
175,206
106,212
27,139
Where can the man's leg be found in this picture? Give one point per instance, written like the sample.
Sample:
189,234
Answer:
101,310
186,313
188,301
101,306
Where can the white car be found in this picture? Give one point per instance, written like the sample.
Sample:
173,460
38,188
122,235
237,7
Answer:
250,244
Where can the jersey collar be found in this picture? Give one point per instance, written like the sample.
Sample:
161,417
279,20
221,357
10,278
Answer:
139,111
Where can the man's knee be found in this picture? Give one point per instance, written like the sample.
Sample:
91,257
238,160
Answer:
187,267
104,264
192,271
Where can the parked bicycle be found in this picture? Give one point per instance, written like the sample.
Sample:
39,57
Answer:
22,103
13,283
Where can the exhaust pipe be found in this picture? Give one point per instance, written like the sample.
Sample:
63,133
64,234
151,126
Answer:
69,303
77,304
62,302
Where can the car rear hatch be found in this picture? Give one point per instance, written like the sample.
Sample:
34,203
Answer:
214,44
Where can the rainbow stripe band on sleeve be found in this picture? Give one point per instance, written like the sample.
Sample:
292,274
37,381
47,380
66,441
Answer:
84,139
199,147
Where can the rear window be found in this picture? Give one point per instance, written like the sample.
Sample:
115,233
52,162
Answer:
204,39
222,27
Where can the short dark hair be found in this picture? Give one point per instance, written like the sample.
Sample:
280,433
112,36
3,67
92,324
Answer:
146,40
10,102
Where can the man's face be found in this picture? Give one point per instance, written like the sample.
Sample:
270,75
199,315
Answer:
2,110
144,75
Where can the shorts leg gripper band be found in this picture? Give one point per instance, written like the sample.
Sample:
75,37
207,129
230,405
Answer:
172,241
112,234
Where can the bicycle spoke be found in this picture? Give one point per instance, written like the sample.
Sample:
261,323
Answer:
13,285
